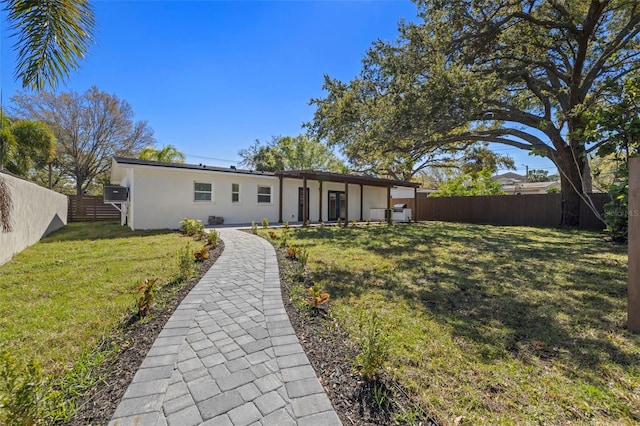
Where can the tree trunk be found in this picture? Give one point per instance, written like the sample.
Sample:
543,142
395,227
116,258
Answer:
573,186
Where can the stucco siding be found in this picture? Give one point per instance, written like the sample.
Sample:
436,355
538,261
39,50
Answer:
374,198
37,211
161,198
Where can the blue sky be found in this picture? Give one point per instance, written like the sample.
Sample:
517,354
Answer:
210,77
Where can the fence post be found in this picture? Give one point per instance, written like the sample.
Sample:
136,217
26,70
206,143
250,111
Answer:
633,283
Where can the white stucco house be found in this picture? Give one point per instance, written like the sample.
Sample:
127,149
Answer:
161,194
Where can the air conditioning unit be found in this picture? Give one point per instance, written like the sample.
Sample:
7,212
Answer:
116,194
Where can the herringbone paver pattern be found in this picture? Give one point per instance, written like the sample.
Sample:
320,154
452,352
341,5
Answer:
228,355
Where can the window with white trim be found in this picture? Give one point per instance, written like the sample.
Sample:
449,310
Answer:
235,192
264,194
202,191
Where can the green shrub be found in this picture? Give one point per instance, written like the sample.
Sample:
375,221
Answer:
145,295
192,227
185,263
26,395
201,254
213,237
617,210
317,298
254,227
374,346
298,253
265,223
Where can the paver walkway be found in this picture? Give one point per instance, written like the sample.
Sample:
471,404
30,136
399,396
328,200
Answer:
228,355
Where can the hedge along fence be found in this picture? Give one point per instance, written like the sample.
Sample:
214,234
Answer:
522,210
90,208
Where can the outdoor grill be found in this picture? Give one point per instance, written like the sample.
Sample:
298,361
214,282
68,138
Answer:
400,213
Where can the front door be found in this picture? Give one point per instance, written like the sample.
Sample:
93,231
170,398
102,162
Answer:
337,203
300,202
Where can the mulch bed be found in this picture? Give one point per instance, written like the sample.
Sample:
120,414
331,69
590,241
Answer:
134,342
327,345
331,353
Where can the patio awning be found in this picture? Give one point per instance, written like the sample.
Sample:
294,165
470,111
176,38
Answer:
346,179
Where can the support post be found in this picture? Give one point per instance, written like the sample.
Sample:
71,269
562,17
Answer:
280,199
633,283
320,204
361,198
346,203
415,205
305,202
389,213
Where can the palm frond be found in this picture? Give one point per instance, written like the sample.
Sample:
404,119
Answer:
53,36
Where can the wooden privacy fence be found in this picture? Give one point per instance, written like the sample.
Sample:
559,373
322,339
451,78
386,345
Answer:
523,210
85,208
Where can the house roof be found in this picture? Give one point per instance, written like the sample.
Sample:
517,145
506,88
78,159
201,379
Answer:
309,174
509,176
535,185
139,162
346,178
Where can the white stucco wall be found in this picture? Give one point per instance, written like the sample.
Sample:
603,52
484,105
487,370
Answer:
37,211
402,192
373,197
162,197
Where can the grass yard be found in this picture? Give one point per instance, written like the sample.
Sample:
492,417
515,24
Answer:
490,325
61,296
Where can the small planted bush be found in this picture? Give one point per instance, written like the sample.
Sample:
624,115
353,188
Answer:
185,263
145,295
265,223
317,298
254,227
212,238
201,254
298,253
374,346
26,395
191,227
286,225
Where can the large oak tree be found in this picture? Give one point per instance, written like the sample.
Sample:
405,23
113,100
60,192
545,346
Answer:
290,153
521,73
91,128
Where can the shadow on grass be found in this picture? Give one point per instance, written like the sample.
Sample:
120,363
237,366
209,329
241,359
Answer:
91,231
514,292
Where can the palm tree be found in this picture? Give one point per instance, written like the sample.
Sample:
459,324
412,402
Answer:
168,154
52,37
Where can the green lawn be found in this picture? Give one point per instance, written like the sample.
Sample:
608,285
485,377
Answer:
65,293
496,325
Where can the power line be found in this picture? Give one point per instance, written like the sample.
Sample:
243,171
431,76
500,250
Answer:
212,158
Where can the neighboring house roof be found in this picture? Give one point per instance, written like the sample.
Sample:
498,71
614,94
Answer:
507,178
530,188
